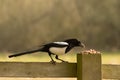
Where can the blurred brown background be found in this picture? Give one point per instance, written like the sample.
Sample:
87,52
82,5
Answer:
28,23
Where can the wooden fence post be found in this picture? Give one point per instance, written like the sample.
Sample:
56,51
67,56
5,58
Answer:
89,67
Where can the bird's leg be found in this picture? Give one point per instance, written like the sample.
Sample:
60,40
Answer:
60,59
52,61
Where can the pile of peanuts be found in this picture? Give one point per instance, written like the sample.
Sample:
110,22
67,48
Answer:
91,51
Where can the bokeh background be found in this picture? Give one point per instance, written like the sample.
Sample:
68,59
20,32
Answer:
26,24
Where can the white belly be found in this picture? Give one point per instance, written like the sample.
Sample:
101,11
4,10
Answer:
58,51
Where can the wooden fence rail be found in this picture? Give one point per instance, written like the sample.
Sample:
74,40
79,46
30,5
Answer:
88,67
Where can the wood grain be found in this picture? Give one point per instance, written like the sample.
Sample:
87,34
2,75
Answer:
110,71
89,67
37,69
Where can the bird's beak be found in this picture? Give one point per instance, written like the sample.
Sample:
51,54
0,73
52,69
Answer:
82,45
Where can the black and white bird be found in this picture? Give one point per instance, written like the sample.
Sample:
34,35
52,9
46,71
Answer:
55,48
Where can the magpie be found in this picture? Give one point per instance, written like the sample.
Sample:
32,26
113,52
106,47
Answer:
55,48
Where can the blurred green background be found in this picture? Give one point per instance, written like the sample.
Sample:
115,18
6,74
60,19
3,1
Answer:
26,24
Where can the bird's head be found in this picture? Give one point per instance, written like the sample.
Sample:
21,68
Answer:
75,42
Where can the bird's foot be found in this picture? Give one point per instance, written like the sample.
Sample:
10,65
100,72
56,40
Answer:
65,62
53,62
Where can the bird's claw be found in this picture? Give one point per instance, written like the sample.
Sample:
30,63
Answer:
65,62
53,62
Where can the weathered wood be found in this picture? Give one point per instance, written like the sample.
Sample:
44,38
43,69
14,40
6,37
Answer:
37,69
89,67
111,71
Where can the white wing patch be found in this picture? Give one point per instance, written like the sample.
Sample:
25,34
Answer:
61,43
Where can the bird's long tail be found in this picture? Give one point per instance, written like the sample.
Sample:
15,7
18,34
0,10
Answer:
23,53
